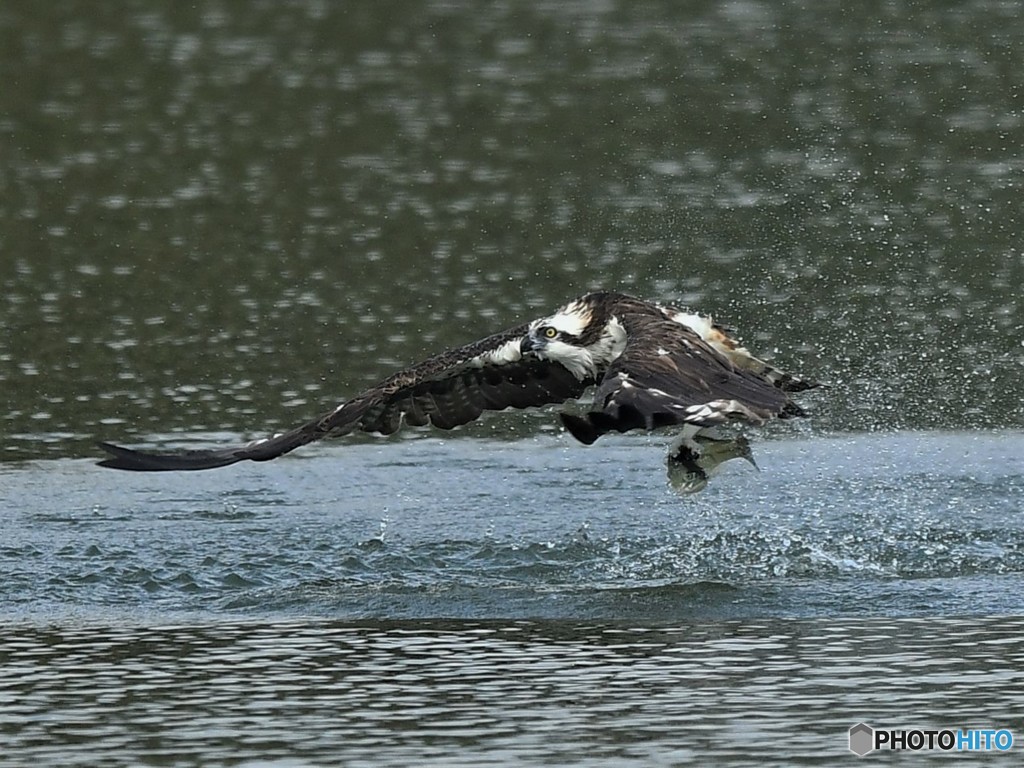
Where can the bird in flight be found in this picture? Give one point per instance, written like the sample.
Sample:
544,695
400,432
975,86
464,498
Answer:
652,366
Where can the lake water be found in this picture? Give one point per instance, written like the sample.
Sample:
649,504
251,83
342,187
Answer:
492,602
499,693
219,220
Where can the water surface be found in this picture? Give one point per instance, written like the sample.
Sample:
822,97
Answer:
893,525
499,693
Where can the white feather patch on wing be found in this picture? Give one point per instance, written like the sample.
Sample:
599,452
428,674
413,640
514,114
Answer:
508,352
718,411
699,324
612,342
719,341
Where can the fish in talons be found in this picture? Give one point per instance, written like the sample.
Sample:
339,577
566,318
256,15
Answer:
693,460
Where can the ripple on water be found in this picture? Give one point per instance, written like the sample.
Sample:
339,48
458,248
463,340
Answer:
479,529
495,692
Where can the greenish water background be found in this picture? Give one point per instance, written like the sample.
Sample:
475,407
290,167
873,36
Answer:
226,217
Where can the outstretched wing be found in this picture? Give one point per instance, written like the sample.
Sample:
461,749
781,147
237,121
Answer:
668,375
448,390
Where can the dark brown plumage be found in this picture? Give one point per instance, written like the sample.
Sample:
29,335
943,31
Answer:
654,366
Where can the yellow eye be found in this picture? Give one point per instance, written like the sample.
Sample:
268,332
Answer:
550,332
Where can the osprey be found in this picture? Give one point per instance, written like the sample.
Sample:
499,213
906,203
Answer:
653,366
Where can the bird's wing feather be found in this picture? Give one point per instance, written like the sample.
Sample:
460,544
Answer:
456,387
447,390
667,375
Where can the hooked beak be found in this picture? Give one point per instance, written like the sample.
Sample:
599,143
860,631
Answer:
528,344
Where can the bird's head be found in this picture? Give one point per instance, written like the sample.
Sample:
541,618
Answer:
549,336
575,337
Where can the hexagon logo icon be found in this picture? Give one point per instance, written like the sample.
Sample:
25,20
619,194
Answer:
862,737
